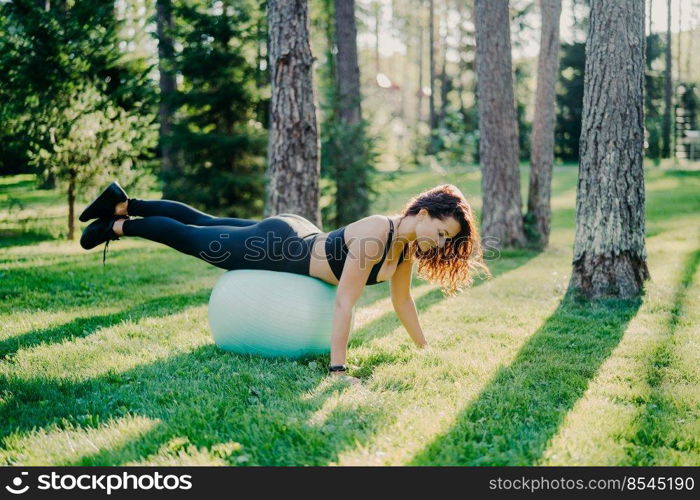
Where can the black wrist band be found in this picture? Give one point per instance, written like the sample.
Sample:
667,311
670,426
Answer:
337,368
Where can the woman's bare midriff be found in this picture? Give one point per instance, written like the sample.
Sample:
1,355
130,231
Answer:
319,266
321,269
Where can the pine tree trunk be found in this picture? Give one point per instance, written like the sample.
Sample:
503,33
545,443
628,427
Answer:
609,253
502,220
668,92
443,76
166,53
421,29
539,211
71,205
461,66
431,59
293,149
352,195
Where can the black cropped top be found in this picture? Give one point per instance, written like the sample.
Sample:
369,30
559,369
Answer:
337,251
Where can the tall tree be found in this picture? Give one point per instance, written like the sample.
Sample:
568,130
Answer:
668,90
421,30
293,149
347,67
431,62
444,79
539,211
461,49
502,221
168,87
218,137
609,252
352,193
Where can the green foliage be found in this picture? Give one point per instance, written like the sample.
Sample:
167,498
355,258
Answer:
457,137
569,101
91,140
47,57
653,95
348,153
690,102
523,95
219,134
348,156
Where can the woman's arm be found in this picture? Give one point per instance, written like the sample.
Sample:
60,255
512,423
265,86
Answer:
403,302
356,270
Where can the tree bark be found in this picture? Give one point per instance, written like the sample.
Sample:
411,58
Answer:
352,194
668,91
293,150
421,29
168,86
461,66
609,252
347,68
443,73
431,59
539,212
502,220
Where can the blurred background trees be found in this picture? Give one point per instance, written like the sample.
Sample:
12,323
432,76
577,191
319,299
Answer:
193,77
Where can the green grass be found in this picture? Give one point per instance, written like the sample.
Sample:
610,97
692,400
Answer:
115,365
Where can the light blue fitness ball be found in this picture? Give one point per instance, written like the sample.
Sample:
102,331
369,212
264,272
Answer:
271,313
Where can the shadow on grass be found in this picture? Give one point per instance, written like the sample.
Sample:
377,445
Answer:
522,407
658,425
196,400
19,181
12,238
76,281
383,325
84,326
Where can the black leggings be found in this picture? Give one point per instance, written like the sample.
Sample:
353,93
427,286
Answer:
279,243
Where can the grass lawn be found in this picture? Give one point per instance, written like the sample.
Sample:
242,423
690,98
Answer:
116,366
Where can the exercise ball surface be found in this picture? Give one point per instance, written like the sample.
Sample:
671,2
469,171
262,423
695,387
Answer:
272,313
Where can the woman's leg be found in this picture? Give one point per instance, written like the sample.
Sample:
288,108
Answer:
249,247
181,213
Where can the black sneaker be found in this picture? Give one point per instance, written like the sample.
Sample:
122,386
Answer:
98,232
103,205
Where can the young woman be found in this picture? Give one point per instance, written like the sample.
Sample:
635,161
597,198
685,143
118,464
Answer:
436,229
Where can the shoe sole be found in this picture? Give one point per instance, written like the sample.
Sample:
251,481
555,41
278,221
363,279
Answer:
83,217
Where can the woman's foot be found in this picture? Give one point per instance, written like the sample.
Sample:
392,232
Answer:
118,226
109,203
121,208
98,232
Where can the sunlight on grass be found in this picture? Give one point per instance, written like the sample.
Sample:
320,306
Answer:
599,428
68,443
115,349
115,365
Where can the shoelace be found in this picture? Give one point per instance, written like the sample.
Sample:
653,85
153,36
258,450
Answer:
104,253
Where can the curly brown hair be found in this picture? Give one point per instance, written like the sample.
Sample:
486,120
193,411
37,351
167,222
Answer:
454,265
